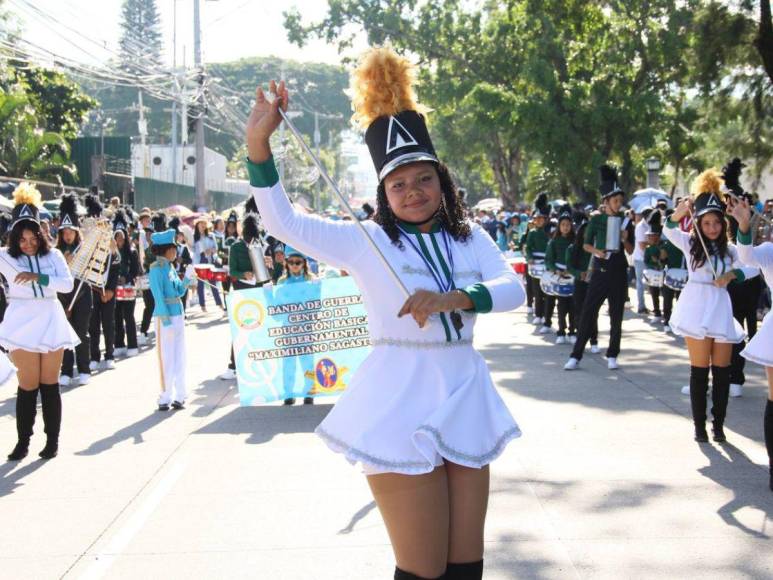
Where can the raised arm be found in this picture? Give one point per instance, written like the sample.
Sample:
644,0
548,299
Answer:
338,243
756,256
672,231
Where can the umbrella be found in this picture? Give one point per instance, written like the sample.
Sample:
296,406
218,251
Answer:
489,204
649,197
178,210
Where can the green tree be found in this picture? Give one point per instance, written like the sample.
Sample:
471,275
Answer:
141,39
26,149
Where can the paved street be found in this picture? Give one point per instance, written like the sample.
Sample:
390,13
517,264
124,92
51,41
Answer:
605,483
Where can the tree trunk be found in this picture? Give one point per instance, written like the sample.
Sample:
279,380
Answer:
764,40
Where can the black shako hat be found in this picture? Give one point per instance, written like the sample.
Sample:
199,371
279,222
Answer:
708,202
655,222
68,212
609,182
399,139
26,198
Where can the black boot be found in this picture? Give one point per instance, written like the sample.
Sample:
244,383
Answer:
26,407
769,437
466,571
699,388
51,401
720,393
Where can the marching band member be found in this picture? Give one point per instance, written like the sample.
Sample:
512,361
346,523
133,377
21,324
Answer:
204,252
35,328
156,223
68,241
184,258
296,271
578,265
425,435
640,245
674,259
128,271
102,322
230,238
240,267
536,246
704,314
652,258
527,285
760,348
609,278
555,261
167,290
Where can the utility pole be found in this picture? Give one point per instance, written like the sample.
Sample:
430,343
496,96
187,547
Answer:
202,196
176,91
317,139
142,124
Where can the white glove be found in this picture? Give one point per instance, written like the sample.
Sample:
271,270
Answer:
190,271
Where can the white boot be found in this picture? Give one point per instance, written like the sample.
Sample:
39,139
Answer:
736,390
612,364
594,348
228,375
84,378
64,380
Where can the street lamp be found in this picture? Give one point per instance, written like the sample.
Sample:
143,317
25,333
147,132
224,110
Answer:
653,172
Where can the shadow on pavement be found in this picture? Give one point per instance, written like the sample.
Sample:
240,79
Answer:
134,431
357,517
262,424
756,496
10,478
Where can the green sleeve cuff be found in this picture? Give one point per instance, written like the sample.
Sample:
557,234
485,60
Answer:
480,296
745,238
43,279
671,224
263,174
739,275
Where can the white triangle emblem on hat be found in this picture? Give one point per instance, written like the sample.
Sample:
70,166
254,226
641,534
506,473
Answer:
398,136
713,202
25,212
66,221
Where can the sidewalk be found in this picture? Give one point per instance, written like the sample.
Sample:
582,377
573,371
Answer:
605,483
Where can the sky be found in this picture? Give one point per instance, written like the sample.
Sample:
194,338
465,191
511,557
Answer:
231,29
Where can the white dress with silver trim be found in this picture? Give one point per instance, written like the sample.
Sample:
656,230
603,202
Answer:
704,310
760,347
418,397
35,320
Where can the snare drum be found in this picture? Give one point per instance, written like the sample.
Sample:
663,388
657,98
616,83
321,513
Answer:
557,284
653,278
143,283
676,278
219,275
204,271
536,270
125,293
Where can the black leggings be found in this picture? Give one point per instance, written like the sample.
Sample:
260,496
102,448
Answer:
125,324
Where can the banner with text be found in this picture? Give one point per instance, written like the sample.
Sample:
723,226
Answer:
297,340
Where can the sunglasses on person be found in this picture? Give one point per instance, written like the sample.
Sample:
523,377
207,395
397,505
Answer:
295,262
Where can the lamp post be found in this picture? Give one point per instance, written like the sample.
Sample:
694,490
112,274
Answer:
653,172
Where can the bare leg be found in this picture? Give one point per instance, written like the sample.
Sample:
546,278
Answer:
468,491
50,363
415,511
28,365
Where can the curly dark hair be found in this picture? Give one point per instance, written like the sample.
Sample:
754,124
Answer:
697,255
14,239
450,214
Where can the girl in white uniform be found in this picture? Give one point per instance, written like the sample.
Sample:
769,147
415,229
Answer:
760,348
35,329
421,415
704,313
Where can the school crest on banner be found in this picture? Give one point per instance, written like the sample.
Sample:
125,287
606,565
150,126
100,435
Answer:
297,340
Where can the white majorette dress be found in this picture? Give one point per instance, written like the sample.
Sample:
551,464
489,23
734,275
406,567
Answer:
704,310
760,348
35,320
421,395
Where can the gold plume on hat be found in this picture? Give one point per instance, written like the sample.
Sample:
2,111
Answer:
26,193
382,84
710,181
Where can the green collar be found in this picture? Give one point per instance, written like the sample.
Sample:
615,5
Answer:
411,229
